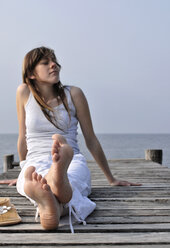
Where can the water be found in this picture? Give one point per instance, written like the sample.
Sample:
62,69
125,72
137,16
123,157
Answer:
115,146
118,146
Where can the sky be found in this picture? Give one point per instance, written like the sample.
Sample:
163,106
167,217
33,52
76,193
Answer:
116,51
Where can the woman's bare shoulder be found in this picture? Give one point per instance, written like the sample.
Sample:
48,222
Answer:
23,89
23,92
76,92
79,100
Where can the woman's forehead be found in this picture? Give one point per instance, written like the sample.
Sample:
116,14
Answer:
48,56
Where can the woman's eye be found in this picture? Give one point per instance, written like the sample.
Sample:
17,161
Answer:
44,62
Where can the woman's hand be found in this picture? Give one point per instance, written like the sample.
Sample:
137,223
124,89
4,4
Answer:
124,183
10,182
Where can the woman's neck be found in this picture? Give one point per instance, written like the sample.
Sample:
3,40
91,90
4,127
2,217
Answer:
47,92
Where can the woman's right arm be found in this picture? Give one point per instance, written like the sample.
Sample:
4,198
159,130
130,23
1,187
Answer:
21,99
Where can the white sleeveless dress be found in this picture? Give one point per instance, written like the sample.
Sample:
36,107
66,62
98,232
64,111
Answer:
39,133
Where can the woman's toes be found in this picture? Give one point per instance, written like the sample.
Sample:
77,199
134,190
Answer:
39,177
46,187
55,147
55,136
34,176
55,157
43,180
53,151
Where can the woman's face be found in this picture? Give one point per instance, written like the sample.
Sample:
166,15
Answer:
46,71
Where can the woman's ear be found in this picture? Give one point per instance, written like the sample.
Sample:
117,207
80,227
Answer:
32,76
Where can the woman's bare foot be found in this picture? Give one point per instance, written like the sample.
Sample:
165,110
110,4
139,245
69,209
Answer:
37,189
57,178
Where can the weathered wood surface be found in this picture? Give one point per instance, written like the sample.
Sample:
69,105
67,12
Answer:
137,217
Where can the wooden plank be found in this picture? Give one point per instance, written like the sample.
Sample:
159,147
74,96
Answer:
144,183
133,172
85,238
110,198
125,205
91,246
112,219
95,228
150,180
131,212
108,189
111,213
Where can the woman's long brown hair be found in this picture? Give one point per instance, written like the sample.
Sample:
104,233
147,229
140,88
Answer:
30,61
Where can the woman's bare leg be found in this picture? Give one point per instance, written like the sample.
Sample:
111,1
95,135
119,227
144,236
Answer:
57,178
37,189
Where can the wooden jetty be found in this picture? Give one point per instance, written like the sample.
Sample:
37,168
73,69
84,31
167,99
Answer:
137,217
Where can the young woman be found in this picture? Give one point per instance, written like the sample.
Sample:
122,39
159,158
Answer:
54,174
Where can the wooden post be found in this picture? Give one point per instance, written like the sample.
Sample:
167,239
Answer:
154,155
8,162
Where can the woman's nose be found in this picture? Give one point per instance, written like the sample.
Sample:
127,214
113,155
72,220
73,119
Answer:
53,64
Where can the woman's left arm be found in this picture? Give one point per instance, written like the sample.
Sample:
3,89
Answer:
84,118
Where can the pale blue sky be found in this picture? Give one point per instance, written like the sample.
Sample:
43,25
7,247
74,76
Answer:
117,51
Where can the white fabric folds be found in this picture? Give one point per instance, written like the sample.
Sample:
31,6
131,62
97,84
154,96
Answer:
80,206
